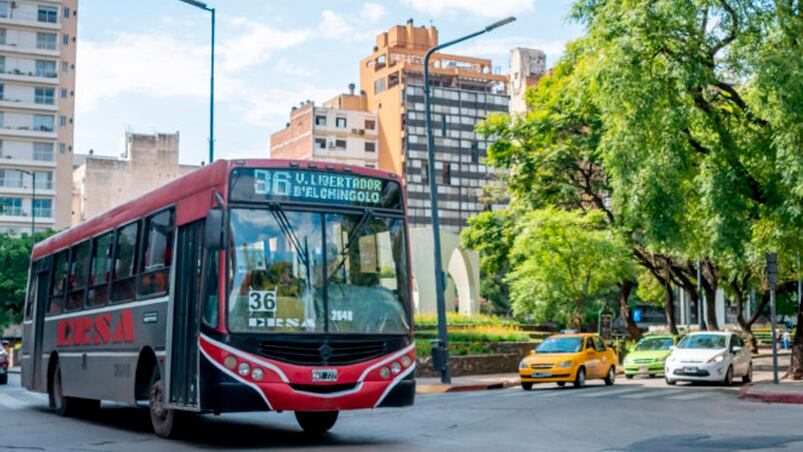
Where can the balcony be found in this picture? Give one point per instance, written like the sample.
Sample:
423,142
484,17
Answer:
23,217
29,132
30,18
49,78
27,104
11,47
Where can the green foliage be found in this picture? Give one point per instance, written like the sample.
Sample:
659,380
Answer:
454,319
649,289
491,235
15,258
567,260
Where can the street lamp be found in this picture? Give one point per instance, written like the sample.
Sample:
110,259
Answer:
442,350
204,7
33,204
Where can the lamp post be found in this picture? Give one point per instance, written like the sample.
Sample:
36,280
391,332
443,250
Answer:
205,7
441,353
33,205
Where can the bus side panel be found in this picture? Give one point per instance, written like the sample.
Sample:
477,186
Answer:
99,350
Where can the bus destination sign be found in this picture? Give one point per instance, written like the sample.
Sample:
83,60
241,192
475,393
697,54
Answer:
255,184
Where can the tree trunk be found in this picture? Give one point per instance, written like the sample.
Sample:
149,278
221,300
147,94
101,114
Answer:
796,361
624,293
669,305
747,327
710,289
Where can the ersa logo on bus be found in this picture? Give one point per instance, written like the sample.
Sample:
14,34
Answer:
100,329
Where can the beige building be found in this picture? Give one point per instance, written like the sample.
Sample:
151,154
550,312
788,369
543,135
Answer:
342,130
37,98
527,66
101,182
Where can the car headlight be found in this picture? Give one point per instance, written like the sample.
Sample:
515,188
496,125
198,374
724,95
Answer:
523,365
716,359
565,364
670,358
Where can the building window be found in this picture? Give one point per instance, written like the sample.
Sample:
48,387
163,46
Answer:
43,152
65,66
3,34
320,120
475,152
48,14
380,85
62,147
370,146
44,123
65,39
2,92
10,178
44,96
11,207
44,180
64,93
4,9
46,41
66,13
340,123
340,144
43,208
370,124
63,121
446,174
320,143
45,68
2,64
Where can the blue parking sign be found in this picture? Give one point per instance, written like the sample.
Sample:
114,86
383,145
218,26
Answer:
637,315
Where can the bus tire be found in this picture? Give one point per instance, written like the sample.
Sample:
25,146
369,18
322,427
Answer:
163,419
316,422
3,379
63,406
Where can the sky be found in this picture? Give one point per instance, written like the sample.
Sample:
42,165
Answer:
143,65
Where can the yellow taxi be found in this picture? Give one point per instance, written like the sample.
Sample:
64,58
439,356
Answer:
569,358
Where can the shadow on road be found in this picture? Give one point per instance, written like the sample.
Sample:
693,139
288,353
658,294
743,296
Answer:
704,443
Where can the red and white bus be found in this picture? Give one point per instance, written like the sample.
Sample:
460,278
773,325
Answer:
246,285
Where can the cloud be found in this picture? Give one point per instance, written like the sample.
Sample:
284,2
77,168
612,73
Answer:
287,67
490,46
372,12
258,43
482,8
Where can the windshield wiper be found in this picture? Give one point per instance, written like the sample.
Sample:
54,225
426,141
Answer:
353,235
287,228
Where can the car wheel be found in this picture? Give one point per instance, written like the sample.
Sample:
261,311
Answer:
163,419
629,376
748,377
561,383
527,386
670,382
580,379
316,422
728,377
611,377
652,375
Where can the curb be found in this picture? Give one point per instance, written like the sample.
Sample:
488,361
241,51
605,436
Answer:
769,397
441,388
14,370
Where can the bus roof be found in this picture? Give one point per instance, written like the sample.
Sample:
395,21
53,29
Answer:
200,180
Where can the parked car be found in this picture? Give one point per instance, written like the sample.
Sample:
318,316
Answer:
3,366
569,358
709,356
649,355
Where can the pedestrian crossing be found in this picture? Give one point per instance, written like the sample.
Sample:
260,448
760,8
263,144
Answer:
18,399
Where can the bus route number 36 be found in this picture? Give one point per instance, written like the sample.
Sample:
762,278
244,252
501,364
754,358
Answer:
262,300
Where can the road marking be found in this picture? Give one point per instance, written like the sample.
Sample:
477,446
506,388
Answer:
692,395
11,402
649,393
608,392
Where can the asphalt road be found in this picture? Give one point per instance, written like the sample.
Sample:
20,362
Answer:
632,415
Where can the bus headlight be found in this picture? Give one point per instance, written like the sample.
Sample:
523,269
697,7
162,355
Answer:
230,362
385,372
406,361
243,369
257,374
395,367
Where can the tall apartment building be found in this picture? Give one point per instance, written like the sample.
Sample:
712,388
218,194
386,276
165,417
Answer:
465,90
527,66
37,98
342,130
102,182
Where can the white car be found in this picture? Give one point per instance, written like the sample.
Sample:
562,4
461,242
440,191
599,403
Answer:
709,356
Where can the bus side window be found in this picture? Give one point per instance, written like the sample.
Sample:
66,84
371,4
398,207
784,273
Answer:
100,270
123,273
60,267
79,272
31,298
210,300
157,254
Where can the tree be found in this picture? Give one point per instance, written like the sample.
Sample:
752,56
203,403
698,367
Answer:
566,260
491,234
15,258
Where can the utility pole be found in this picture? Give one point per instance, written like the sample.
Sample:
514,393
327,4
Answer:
440,351
772,280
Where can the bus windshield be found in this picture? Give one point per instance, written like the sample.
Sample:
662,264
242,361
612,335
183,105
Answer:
296,272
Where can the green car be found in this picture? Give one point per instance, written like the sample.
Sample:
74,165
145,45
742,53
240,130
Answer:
649,355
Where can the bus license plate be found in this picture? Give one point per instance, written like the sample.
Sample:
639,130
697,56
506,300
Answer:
324,375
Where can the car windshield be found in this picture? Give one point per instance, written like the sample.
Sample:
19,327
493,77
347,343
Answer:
655,343
560,345
710,341
314,272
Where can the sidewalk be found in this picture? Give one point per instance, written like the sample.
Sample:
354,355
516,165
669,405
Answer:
467,383
787,391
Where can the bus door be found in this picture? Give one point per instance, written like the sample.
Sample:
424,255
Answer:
182,354
41,285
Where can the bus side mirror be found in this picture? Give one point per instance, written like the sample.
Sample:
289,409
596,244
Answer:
213,230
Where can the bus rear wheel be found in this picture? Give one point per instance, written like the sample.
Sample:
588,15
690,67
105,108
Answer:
163,419
316,422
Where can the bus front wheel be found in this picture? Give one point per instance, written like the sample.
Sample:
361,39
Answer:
163,419
68,406
316,422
